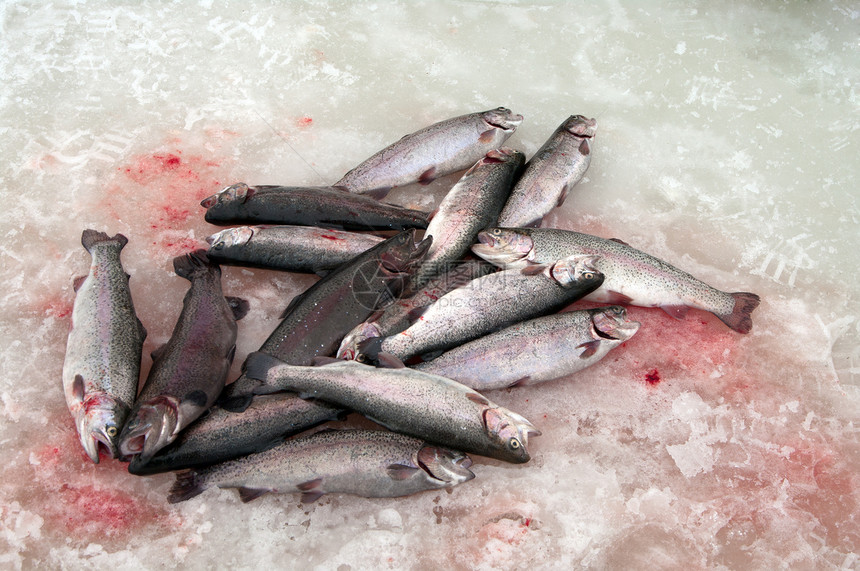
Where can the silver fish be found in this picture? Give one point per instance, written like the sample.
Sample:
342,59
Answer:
102,364
549,175
367,463
419,404
490,303
315,322
397,316
470,206
632,276
222,435
536,350
289,248
307,206
188,372
442,148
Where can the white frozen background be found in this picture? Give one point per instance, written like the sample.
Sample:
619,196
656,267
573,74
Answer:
727,144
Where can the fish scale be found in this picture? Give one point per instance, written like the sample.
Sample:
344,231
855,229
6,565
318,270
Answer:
632,276
102,363
411,402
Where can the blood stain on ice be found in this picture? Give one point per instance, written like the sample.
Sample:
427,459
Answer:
652,377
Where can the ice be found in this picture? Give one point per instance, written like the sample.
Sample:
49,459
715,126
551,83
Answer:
727,145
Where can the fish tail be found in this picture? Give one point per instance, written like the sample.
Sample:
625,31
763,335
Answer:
740,319
89,238
187,485
193,263
258,364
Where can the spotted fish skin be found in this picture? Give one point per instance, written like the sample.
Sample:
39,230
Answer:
411,402
490,303
316,321
439,149
222,435
288,248
367,463
102,364
536,350
188,373
470,206
307,206
632,276
549,175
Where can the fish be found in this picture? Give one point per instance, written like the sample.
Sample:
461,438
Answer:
437,150
315,322
102,363
550,174
189,371
222,435
289,248
366,463
397,316
489,303
430,407
471,205
307,206
535,351
632,276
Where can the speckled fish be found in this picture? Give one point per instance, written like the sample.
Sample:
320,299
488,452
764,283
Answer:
490,303
548,177
397,316
316,321
102,365
471,205
632,276
536,350
288,248
221,435
442,148
307,206
411,402
189,371
367,463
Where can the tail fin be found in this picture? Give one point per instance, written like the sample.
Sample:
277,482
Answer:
186,486
740,319
189,264
90,238
257,366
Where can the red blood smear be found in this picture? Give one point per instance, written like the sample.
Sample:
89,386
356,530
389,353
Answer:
304,122
327,237
62,481
652,377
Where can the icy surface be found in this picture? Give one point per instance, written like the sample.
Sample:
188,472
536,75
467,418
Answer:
727,144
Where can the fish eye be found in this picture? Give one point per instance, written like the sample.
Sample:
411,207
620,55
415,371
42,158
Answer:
588,275
514,444
496,232
111,431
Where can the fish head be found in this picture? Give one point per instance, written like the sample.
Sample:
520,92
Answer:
100,419
504,247
153,426
502,118
449,467
581,126
501,155
511,432
402,257
239,192
580,271
230,237
611,323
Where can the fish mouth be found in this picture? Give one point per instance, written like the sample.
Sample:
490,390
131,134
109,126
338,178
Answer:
153,427
611,323
239,191
581,126
230,237
503,118
503,249
445,465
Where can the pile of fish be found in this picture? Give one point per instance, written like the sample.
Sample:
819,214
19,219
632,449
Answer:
465,325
